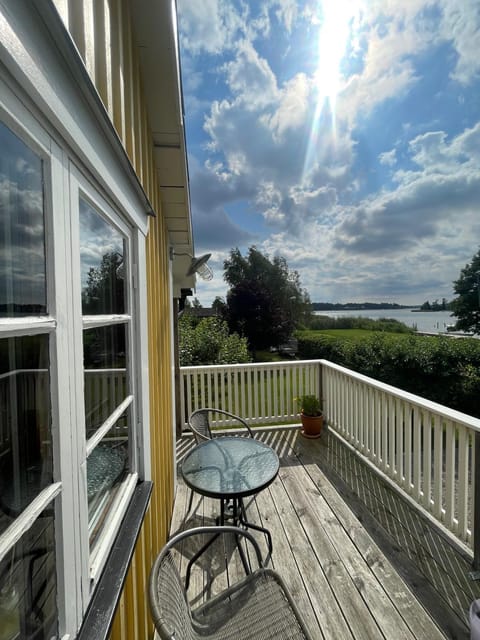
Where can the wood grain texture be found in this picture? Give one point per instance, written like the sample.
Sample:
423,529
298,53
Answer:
343,582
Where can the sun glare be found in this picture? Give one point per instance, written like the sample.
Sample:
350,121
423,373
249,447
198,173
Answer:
337,20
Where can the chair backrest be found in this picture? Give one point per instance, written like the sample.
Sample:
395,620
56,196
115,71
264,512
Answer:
168,603
261,605
200,425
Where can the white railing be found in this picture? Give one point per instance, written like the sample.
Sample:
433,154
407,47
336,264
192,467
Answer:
261,393
28,389
105,389
424,448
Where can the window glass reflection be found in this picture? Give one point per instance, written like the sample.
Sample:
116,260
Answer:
22,229
25,434
28,584
107,466
102,263
105,373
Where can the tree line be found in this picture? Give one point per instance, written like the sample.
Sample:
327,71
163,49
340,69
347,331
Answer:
266,304
444,305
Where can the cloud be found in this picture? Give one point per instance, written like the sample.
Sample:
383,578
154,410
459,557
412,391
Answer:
22,260
215,230
292,107
388,158
287,12
212,191
209,26
461,25
250,78
387,170
417,213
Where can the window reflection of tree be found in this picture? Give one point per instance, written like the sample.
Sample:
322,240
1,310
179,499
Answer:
104,291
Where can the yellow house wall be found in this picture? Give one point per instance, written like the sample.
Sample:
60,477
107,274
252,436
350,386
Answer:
102,33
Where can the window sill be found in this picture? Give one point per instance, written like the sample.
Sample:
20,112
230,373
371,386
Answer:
101,610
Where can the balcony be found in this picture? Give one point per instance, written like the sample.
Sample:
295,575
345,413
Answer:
372,524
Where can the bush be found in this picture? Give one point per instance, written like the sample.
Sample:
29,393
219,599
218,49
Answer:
208,342
442,369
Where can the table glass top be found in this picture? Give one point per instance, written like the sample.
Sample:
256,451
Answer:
230,466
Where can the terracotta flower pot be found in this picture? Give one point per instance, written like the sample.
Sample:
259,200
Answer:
312,425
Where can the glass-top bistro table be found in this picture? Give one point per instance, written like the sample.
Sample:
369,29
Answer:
231,468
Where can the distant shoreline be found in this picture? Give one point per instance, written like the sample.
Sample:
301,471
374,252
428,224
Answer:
361,306
428,310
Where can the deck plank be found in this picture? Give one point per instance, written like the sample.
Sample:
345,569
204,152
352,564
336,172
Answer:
415,617
360,596
433,566
316,588
344,585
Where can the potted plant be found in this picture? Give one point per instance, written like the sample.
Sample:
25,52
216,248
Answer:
311,415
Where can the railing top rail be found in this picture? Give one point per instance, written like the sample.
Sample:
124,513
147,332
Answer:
15,372
116,370
250,365
429,405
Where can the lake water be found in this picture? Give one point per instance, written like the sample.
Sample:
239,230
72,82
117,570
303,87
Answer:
430,321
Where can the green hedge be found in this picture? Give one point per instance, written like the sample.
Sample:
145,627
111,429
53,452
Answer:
442,369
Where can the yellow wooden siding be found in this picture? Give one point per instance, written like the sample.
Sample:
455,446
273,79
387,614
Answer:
116,74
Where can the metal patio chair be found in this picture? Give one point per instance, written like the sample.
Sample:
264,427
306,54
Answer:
257,607
199,423
200,420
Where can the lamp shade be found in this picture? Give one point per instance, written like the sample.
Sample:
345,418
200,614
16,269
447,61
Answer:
199,265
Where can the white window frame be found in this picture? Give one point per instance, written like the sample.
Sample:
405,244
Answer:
78,567
93,560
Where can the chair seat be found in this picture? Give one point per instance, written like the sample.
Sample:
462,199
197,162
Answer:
255,609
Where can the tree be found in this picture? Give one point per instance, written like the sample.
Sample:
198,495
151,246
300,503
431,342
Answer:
265,302
466,307
104,291
219,306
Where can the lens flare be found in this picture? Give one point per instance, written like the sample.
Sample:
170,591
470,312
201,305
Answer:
337,21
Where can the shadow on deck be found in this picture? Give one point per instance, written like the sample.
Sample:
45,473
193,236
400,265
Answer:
360,560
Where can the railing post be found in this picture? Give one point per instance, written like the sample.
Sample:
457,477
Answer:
476,508
321,390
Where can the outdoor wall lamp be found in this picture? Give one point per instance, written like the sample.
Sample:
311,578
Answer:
197,265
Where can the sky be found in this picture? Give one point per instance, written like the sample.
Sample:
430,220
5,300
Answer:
343,135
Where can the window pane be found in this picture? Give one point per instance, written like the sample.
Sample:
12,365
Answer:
107,466
22,230
105,373
28,585
25,440
102,264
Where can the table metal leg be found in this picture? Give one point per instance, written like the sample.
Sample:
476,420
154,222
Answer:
239,518
250,525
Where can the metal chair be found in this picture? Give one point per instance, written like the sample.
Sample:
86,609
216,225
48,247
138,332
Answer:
199,423
257,607
200,420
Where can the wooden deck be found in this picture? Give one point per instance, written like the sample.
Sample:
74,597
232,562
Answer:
361,562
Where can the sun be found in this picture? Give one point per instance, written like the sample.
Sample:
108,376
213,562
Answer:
337,19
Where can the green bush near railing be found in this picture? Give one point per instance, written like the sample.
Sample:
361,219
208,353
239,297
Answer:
445,370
